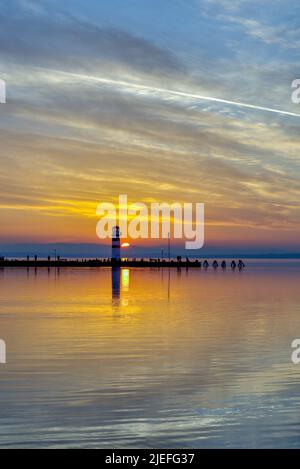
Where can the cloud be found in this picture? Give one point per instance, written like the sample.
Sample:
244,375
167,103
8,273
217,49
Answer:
95,111
163,149
268,34
269,23
73,44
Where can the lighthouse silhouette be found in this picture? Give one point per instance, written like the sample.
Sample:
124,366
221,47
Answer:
116,245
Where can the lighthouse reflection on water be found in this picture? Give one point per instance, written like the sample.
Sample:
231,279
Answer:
120,279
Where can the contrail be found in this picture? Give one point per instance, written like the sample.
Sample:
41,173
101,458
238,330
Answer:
182,94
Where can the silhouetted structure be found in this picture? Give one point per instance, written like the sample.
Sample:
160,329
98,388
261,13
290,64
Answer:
116,245
155,263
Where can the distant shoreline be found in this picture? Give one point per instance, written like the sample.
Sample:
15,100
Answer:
12,256
106,263
146,262
97,263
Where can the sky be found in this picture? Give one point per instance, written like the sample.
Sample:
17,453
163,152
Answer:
107,98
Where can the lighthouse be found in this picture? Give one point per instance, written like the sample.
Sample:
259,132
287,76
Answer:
116,245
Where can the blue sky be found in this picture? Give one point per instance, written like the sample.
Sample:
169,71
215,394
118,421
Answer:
104,97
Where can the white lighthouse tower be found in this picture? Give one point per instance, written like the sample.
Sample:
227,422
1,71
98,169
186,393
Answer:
116,245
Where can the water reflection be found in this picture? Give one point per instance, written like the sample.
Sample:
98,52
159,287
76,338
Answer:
125,280
120,279
116,284
150,358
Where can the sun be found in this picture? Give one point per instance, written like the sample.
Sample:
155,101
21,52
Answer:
125,245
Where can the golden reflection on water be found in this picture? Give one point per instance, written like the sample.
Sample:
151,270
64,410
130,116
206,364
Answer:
150,358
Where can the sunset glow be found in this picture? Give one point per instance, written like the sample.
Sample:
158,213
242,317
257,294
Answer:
79,132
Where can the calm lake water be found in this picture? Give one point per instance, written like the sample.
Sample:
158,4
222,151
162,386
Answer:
150,358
